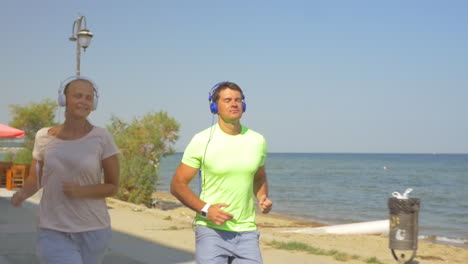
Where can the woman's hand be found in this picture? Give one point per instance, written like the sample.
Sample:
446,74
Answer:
71,189
17,199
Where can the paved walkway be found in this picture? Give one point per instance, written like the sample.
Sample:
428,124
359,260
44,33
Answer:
18,236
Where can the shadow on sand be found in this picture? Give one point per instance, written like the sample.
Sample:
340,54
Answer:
18,236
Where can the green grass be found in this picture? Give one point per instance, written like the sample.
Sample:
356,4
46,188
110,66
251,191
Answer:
342,256
168,218
173,228
373,260
299,246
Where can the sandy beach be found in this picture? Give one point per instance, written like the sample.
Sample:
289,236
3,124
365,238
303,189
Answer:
164,234
170,224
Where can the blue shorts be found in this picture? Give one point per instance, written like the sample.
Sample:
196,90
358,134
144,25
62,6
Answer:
215,246
55,247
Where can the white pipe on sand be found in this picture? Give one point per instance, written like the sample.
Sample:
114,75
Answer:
372,227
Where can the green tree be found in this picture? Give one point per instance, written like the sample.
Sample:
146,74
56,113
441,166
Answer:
142,143
30,118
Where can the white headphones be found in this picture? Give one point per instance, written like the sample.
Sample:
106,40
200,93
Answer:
62,100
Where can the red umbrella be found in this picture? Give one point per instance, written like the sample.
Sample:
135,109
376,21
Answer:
10,132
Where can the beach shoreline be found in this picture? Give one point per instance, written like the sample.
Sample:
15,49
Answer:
341,188
272,228
290,221
169,224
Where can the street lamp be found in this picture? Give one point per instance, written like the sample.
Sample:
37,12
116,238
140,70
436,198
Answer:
82,36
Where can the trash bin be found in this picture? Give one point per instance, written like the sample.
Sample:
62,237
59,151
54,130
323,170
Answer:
404,221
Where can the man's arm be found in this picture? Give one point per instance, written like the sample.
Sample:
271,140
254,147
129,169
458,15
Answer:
261,190
181,190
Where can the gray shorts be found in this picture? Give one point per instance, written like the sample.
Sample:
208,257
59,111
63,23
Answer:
215,246
55,247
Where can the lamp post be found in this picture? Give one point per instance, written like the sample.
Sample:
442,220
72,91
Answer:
82,36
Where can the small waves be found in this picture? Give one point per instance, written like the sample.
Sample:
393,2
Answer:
445,240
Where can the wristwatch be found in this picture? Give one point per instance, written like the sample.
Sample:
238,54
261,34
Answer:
204,210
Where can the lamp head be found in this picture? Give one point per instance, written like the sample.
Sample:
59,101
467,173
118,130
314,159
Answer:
84,38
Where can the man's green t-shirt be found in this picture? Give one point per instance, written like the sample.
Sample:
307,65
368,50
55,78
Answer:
228,165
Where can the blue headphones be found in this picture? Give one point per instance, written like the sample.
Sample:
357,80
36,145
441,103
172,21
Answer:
214,106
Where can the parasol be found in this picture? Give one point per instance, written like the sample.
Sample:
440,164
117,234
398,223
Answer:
7,132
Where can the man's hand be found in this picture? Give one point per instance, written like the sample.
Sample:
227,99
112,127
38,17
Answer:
217,215
265,204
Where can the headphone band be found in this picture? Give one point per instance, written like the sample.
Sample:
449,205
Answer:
213,104
210,94
63,85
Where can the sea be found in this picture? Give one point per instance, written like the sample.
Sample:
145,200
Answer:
347,188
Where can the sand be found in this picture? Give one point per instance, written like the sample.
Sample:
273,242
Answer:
170,224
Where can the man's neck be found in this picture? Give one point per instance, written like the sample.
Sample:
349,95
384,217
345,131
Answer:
230,128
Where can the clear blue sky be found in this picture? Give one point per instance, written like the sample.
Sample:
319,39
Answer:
319,76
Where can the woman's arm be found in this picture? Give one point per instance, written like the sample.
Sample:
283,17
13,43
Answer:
109,188
30,186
